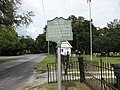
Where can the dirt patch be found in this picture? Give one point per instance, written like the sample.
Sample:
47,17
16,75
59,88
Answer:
38,77
40,71
69,85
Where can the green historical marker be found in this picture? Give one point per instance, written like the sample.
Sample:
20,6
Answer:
58,30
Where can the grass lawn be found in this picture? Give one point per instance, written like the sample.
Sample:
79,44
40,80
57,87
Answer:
52,58
69,85
6,60
112,60
48,59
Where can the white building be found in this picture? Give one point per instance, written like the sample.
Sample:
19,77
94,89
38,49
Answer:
65,47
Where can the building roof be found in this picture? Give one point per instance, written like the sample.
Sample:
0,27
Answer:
66,44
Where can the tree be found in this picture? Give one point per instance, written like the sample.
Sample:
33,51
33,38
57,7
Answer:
9,20
114,34
81,34
108,38
9,13
42,43
28,45
9,42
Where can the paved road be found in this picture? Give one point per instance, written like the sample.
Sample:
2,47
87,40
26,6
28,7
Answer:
14,75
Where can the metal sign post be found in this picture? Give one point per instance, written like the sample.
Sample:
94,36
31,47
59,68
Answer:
59,65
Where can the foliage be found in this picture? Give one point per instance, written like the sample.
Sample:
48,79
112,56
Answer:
108,39
9,20
9,13
9,42
105,39
42,42
81,33
28,45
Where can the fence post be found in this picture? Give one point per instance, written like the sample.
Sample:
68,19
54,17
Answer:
81,67
48,72
66,63
117,74
101,74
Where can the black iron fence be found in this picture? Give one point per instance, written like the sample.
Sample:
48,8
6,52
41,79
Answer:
102,76
69,71
96,74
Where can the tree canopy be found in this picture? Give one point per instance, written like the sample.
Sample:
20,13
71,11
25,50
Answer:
105,39
9,42
9,13
10,19
81,33
108,38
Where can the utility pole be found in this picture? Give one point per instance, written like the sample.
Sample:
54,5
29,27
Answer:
89,1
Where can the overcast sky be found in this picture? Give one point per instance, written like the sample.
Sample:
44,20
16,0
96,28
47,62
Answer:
103,11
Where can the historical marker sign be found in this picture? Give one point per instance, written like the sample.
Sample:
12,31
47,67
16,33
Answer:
59,29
